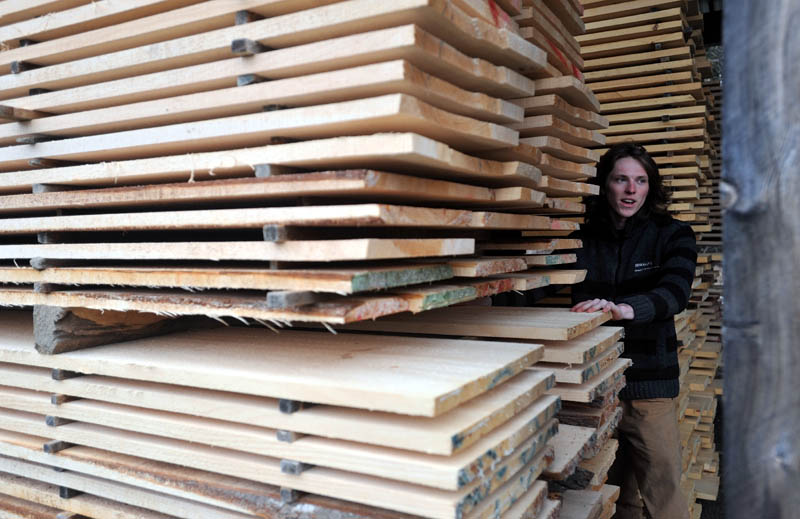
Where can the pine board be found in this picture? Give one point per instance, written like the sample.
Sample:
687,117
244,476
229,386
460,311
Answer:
571,89
585,372
570,444
506,322
581,504
112,492
559,187
634,71
583,348
14,11
300,366
673,113
633,45
451,24
552,104
255,218
560,149
390,77
443,435
621,22
640,58
610,86
354,184
403,153
390,113
588,391
525,433
663,22
407,42
340,281
627,9
565,276
544,125
403,497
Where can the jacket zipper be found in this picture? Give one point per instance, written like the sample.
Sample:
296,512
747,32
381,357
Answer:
617,271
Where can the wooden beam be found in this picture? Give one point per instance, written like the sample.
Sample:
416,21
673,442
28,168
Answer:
553,146
549,125
553,104
571,89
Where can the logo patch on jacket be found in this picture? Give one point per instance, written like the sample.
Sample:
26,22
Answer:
644,266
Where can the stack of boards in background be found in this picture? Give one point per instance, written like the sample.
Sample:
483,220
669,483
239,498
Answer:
295,161
645,60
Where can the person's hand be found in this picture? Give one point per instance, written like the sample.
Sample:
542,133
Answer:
618,311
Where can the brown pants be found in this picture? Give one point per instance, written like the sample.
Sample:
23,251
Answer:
648,464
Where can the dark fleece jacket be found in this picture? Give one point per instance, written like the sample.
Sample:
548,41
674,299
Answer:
649,265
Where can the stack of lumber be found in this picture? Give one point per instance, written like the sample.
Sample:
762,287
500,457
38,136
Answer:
276,162
588,377
645,59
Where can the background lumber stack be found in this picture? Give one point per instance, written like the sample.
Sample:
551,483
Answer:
646,60
279,162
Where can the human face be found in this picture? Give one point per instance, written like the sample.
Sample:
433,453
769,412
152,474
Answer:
626,189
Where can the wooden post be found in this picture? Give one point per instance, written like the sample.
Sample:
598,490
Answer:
761,186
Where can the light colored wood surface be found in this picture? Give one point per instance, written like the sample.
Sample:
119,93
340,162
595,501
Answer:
565,276
588,391
403,497
583,348
341,281
390,113
323,215
439,374
527,433
543,125
552,104
581,373
451,432
569,444
390,77
114,492
581,504
507,322
561,149
403,152
327,250
571,89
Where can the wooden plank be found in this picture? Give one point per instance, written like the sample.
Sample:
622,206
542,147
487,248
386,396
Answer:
571,89
564,276
481,267
394,112
582,373
407,42
643,104
434,503
471,35
641,81
569,444
341,281
322,215
246,369
664,23
569,13
319,250
662,136
587,392
19,508
327,87
443,435
553,104
621,22
558,187
517,436
549,164
561,149
581,504
686,111
506,322
640,58
627,9
544,125
695,89
582,349
16,10
690,122
392,152
113,493
634,45
81,19
528,280
353,184
224,491
212,304
551,259
634,71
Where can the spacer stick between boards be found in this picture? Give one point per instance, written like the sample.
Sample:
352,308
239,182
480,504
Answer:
68,493
64,374
58,398
56,421
247,47
20,114
294,468
289,495
288,436
55,446
242,17
288,406
292,298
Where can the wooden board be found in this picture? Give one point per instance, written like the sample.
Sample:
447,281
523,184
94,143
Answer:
405,42
589,391
635,128
634,71
629,83
525,433
327,250
640,58
585,372
621,22
561,149
543,125
340,281
193,359
650,115
507,322
627,9
570,445
404,153
559,187
651,24
695,89
322,215
583,348
571,89
532,246
403,497
553,104
581,504
565,276
391,113
630,46
112,492
471,35
444,435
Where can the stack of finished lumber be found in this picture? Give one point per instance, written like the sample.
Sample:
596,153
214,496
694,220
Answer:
235,422
585,360
275,162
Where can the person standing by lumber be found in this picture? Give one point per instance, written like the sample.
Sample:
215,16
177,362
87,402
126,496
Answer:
640,265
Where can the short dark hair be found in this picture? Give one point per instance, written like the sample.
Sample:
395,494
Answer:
656,202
